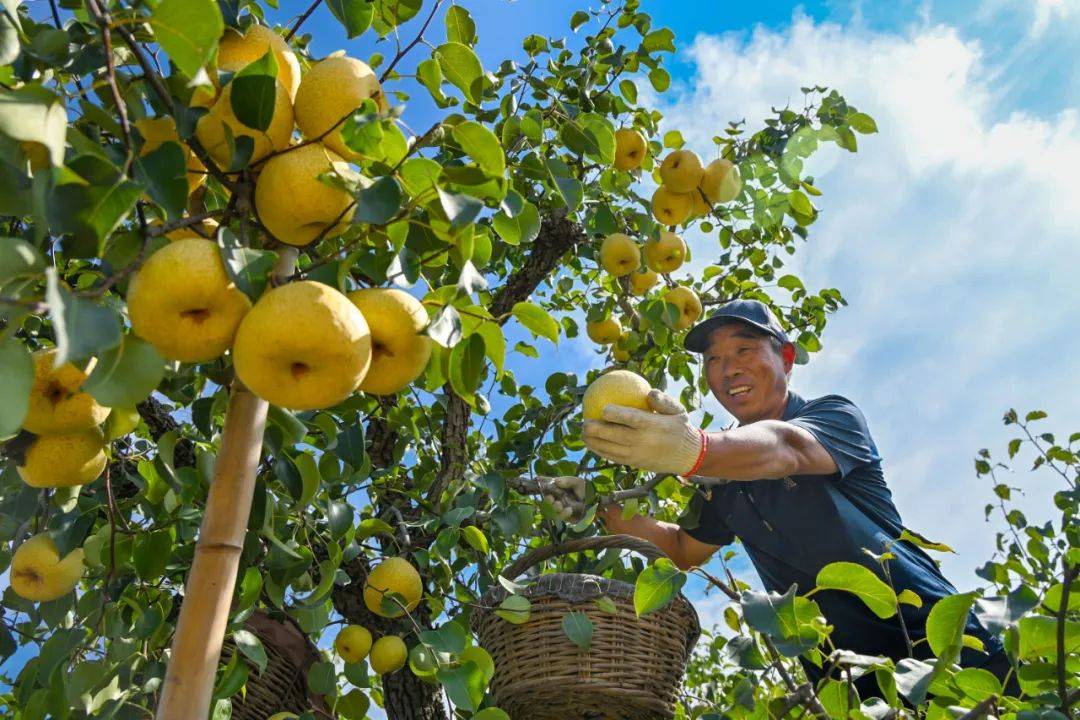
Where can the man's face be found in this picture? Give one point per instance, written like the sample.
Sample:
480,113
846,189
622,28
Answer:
746,373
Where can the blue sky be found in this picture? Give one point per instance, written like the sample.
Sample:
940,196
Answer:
953,233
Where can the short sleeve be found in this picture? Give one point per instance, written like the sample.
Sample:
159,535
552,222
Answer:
841,429
709,527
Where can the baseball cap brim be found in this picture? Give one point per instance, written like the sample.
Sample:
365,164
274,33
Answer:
697,340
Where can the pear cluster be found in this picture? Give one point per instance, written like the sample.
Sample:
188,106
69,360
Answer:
302,345
385,655
689,189
622,257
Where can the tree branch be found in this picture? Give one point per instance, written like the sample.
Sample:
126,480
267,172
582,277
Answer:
300,20
405,51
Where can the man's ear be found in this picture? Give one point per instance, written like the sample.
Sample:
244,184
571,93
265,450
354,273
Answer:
788,351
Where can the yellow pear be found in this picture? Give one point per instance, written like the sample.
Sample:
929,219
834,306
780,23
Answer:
617,387
721,181
235,51
65,459
681,171
184,304
210,130
303,346
393,575
399,350
353,643
388,654
156,131
688,303
630,149
642,281
604,332
665,254
620,354
671,208
329,93
294,204
38,573
56,402
619,254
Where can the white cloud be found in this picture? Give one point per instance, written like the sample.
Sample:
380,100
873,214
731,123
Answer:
1047,11
953,235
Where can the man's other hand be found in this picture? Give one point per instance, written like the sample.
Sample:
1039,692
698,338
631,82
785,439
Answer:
662,441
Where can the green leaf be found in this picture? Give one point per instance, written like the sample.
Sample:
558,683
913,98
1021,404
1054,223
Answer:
252,648
449,638
462,68
918,540
254,90
464,685
628,90
247,267
523,227
354,15
997,614
491,713
164,173
353,705
339,516
16,380
662,39
188,31
790,282
514,609
460,209
476,538
794,623
861,581
800,203
578,19
83,328
482,146
152,553
429,73
126,374
34,114
862,123
321,678
537,320
310,478
660,79
945,625
977,684
657,585
91,202
569,187
908,597
579,628
18,259
1038,637
391,13
466,366
460,27
673,139
913,679
379,202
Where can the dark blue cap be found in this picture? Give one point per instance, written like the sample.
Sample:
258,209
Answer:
750,312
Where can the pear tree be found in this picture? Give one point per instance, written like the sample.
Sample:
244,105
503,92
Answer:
264,340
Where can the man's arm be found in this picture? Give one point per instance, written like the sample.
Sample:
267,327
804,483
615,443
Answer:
684,551
767,449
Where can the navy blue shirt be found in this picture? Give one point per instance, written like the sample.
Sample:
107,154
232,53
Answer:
792,527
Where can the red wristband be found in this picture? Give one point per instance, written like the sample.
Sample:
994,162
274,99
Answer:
701,454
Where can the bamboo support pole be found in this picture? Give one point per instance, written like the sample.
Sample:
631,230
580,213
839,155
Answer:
204,613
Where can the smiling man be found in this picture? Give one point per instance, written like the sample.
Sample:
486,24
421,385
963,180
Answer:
799,482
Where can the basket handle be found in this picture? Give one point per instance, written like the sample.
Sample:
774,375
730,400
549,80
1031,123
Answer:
599,542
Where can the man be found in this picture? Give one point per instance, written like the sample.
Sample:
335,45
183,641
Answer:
803,486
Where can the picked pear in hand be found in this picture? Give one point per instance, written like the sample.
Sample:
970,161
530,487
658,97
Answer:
616,387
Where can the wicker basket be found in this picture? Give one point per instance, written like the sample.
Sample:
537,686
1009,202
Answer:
633,667
283,685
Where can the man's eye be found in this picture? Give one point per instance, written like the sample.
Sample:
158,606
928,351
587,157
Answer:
742,350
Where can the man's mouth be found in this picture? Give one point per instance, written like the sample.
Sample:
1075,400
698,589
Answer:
738,390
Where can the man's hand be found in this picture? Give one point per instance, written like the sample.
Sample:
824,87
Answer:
664,441
566,493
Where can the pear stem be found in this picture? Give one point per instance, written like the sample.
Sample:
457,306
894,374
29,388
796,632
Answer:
204,613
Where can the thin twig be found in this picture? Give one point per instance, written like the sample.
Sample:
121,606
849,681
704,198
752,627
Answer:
60,26
103,21
405,51
300,20
168,227
1067,580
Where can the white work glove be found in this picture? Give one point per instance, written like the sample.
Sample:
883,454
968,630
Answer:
664,441
566,493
